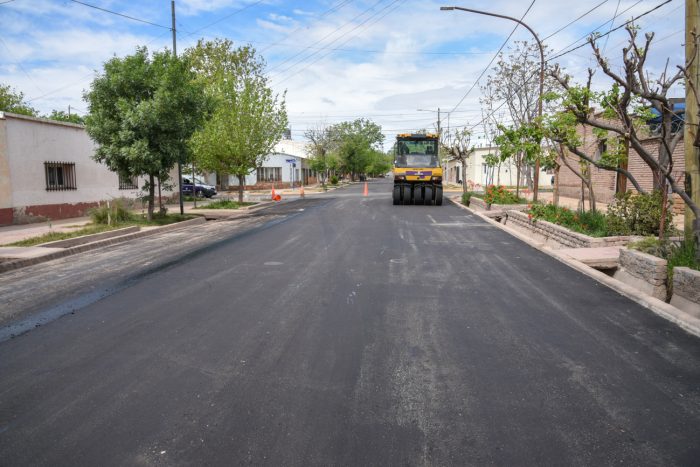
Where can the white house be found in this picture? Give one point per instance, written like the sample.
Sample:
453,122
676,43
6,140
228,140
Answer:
480,173
47,171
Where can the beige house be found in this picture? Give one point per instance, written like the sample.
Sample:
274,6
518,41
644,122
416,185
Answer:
47,171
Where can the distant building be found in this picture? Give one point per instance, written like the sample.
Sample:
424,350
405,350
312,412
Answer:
478,172
47,171
288,163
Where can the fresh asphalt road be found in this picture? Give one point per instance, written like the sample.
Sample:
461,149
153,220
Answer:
353,332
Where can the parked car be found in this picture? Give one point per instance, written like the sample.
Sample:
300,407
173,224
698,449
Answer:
201,189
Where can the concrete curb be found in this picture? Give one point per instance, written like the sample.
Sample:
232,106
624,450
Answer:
684,320
21,263
75,241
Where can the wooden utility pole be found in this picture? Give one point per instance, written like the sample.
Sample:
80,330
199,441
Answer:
692,152
179,164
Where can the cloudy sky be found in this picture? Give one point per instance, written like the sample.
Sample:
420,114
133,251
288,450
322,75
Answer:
337,59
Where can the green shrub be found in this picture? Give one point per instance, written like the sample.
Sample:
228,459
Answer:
110,213
334,179
499,195
638,214
466,197
589,223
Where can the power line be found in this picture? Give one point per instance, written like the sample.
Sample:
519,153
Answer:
122,15
577,19
494,58
335,8
326,36
536,73
225,17
388,10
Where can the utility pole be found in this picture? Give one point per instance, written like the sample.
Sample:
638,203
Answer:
179,164
692,152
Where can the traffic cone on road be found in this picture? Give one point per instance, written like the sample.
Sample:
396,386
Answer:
301,191
366,192
273,194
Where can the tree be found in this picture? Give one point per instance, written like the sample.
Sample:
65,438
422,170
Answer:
355,142
515,83
62,116
626,109
321,142
458,146
142,111
524,143
13,101
248,119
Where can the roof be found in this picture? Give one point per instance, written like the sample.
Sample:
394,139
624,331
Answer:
5,115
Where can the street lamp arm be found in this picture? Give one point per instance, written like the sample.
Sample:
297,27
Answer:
539,44
497,15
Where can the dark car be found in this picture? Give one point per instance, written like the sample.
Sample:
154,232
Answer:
202,190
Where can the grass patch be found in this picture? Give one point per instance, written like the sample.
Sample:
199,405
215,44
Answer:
225,204
55,236
91,229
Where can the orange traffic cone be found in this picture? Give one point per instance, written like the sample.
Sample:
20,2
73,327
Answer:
366,192
273,195
301,191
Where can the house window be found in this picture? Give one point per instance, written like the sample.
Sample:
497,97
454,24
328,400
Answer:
602,148
269,174
128,183
60,176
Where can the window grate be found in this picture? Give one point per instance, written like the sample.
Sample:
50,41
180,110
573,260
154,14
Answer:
128,183
60,176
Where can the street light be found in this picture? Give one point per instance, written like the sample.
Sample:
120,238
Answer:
539,102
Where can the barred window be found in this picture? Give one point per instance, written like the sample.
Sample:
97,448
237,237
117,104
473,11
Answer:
60,176
269,174
128,183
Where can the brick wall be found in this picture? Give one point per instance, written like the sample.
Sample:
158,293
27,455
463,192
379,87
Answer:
605,181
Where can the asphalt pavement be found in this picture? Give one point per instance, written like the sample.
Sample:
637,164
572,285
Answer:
338,330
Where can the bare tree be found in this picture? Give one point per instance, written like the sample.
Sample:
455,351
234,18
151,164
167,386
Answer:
626,111
321,143
459,148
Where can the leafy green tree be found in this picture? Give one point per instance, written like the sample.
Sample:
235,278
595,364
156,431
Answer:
142,111
13,101
62,116
522,143
356,141
248,120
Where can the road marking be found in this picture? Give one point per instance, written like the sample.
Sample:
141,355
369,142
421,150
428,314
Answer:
431,219
273,263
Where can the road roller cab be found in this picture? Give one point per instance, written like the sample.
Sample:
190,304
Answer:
417,170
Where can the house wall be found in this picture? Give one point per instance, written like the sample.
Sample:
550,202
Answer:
605,181
479,173
25,144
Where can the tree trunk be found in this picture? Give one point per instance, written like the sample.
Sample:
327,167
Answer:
241,187
591,193
555,193
151,195
664,211
517,177
463,174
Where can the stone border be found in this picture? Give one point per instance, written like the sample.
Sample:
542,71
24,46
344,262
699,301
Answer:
75,241
684,320
12,265
645,272
562,235
481,204
686,290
